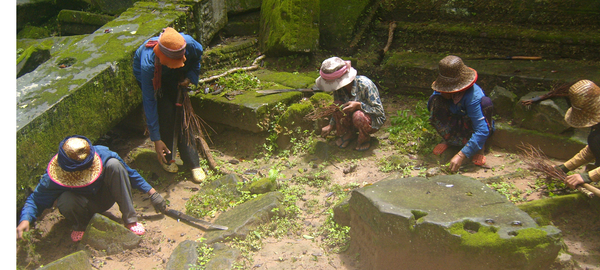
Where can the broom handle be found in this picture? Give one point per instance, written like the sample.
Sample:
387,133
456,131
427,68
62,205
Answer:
592,189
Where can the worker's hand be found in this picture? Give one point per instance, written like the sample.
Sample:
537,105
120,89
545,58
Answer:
22,227
185,83
326,130
351,106
456,161
158,202
161,151
574,180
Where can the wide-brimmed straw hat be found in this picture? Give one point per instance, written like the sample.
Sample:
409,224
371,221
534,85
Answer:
585,104
76,165
454,76
171,48
335,74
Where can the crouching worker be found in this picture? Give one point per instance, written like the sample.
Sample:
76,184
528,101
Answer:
460,112
84,180
584,112
362,111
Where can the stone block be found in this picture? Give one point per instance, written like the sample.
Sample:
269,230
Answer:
79,260
504,101
73,22
103,233
183,256
245,217
544,116
224,257
445,222
289,26
248,111
553,146
337,22
112,7
242,6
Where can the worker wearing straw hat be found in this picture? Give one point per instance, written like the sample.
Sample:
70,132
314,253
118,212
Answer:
584,112
161,65
460,112
362,111
83,180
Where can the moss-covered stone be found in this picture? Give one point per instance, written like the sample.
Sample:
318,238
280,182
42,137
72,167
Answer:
289,26
446,222
102,233
338,23
183,256
242,6
292,124
263,185
543,210
33,56
245,217
33,32
79,260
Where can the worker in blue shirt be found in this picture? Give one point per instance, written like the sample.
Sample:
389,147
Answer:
83,180
161,66
460,112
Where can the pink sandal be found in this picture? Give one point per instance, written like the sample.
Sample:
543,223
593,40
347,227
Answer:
478,160
136,228
76,236
440,148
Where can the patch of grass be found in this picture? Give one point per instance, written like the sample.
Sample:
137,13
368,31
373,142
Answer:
508,190
205,254
411,131
335,238
318,178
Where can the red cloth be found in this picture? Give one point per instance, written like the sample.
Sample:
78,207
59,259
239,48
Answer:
157,66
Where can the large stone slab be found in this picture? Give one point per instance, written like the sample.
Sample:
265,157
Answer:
183,256
289,26
103,233
445,222
245,217
79,260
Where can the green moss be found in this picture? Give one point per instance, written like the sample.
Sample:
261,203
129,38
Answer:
321,99
80,17
289,26
542,210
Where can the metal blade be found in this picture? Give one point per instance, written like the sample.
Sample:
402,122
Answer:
179,215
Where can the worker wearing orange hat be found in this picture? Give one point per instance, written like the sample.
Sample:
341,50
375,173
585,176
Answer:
161,65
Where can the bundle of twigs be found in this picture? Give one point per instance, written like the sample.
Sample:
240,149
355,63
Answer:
194,129
322,111
537,161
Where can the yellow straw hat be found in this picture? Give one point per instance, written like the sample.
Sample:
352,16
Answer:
76,165
171,48
585,104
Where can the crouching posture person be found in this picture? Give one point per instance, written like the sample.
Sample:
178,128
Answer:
362,110
460,112
84,180
584,112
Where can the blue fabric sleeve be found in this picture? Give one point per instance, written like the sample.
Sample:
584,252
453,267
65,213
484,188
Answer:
38,201
480,127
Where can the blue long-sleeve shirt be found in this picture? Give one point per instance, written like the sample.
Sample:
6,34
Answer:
47,191
470,105
143,69
365,92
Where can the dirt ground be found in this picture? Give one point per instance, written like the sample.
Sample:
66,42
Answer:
581,228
